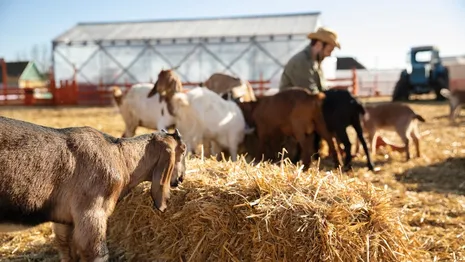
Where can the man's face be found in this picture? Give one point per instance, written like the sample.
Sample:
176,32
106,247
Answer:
322,52
328,50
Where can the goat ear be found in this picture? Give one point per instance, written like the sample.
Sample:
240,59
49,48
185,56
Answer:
153,91
161,178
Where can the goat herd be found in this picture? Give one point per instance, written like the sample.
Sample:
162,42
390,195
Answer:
73,177
224,112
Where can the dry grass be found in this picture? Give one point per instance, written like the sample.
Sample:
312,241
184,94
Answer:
428,195
234,212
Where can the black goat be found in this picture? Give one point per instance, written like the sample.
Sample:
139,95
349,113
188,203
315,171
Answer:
340,110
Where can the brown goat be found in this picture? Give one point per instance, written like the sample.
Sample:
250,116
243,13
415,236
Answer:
74,177
224,84
293,112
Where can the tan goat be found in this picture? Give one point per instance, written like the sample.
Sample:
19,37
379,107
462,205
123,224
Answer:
74,177
392,116
225,85
456,101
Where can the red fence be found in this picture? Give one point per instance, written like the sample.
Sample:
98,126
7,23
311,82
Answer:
70,92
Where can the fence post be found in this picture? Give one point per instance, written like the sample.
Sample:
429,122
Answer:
28,95
354,82
53,87
5,79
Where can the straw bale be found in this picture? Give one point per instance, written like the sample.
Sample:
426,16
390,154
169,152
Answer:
236,212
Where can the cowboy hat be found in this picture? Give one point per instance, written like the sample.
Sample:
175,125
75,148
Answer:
327,35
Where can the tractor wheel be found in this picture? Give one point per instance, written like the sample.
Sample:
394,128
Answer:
401,90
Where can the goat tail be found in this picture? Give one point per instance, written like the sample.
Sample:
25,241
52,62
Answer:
445,92
420,118
117,95
361,109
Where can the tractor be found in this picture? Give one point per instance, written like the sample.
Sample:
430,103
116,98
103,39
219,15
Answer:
425,73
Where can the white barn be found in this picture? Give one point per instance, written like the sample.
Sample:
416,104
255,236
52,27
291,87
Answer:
245,46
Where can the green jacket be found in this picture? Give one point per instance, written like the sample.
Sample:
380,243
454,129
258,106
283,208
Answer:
302,71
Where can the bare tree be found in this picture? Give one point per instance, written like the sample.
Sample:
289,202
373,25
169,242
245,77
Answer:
35,53
45,58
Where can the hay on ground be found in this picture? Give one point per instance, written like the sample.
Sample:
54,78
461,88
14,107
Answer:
236,212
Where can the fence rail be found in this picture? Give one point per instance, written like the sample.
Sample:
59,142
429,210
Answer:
69,92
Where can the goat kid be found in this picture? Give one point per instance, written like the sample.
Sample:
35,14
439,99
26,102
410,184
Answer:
203,116
340,110
293,112
74,177
138,110
230,87
392,116
456,101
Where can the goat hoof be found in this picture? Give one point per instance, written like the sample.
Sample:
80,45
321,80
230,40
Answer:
348,168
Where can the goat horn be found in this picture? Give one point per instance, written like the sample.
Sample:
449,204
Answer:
177,135
176,67
164,131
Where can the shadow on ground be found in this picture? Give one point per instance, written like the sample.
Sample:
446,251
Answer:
443,177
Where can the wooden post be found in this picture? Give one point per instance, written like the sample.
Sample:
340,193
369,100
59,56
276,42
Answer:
53,87
354,82
5,79
260,86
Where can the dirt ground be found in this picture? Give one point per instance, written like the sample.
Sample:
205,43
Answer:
429,191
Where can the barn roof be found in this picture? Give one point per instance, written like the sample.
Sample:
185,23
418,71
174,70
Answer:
14,69
347,63
247,26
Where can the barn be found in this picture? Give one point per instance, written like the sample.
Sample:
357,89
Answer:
251,47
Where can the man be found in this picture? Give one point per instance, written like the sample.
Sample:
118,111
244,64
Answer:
304,70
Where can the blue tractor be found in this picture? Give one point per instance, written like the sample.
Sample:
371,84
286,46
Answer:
425,73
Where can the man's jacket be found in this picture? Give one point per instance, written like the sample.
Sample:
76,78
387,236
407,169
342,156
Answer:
302,71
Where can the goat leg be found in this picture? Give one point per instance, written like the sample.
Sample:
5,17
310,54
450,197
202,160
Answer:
342,136
322,130
358,129
63,241
304,144
90,235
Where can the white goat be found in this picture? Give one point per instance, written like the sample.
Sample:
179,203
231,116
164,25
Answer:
139,110
202,115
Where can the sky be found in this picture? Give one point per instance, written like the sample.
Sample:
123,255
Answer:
376,33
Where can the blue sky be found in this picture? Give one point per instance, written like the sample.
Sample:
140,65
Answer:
368,30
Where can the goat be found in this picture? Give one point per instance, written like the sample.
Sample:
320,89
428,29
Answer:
392,116
340,110
138,110
73,177
293,112
230,87
456,101
202,115
167,84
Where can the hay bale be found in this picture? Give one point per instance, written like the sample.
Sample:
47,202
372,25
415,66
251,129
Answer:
236,212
